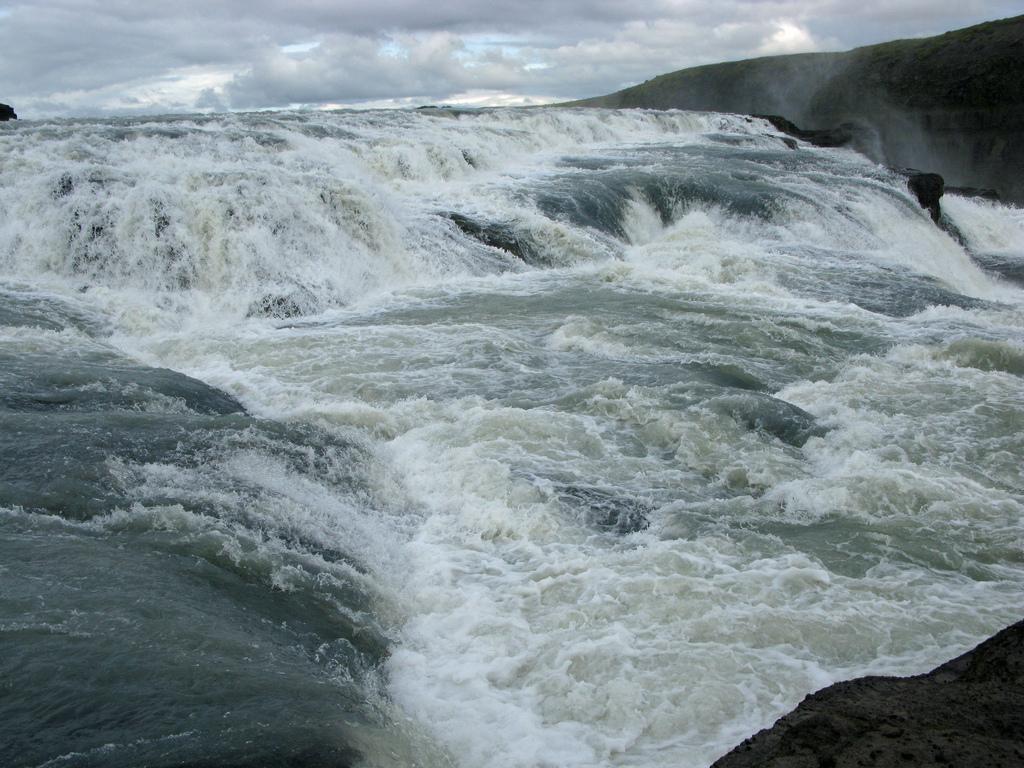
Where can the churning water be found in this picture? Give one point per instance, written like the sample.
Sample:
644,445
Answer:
493,439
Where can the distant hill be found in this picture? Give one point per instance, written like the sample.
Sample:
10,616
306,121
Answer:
953,103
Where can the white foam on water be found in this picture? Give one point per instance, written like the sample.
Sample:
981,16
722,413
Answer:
704,249
526,634
988,226
944,443
566,648
320,208
914,242
530,639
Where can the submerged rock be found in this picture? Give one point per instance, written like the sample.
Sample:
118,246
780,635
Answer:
968,712
770,415
606,511
7,113
65,186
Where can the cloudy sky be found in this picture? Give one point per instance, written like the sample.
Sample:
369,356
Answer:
85,57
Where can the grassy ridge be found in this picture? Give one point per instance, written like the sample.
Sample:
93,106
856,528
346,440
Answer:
980,66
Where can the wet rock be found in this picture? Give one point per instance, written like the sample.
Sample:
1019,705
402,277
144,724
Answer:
928,189
968,712
281,306
840,136
985,194
497,235
7,113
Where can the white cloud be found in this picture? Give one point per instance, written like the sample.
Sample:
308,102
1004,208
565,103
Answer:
789,37
95,56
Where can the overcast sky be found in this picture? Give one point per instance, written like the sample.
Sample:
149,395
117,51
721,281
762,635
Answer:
84,57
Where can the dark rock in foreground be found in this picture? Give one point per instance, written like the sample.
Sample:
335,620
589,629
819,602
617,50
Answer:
7,113
968,712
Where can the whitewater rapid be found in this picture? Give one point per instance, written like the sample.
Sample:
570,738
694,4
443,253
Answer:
493,438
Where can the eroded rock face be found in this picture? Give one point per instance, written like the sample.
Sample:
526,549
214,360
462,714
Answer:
839,136
928,189
7,113
967,713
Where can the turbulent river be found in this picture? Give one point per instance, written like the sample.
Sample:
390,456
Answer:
491,439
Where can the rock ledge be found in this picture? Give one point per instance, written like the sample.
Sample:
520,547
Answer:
967,713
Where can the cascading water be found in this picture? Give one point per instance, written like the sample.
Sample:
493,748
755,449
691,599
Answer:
499,438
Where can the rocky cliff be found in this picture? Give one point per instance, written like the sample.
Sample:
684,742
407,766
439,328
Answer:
953,104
